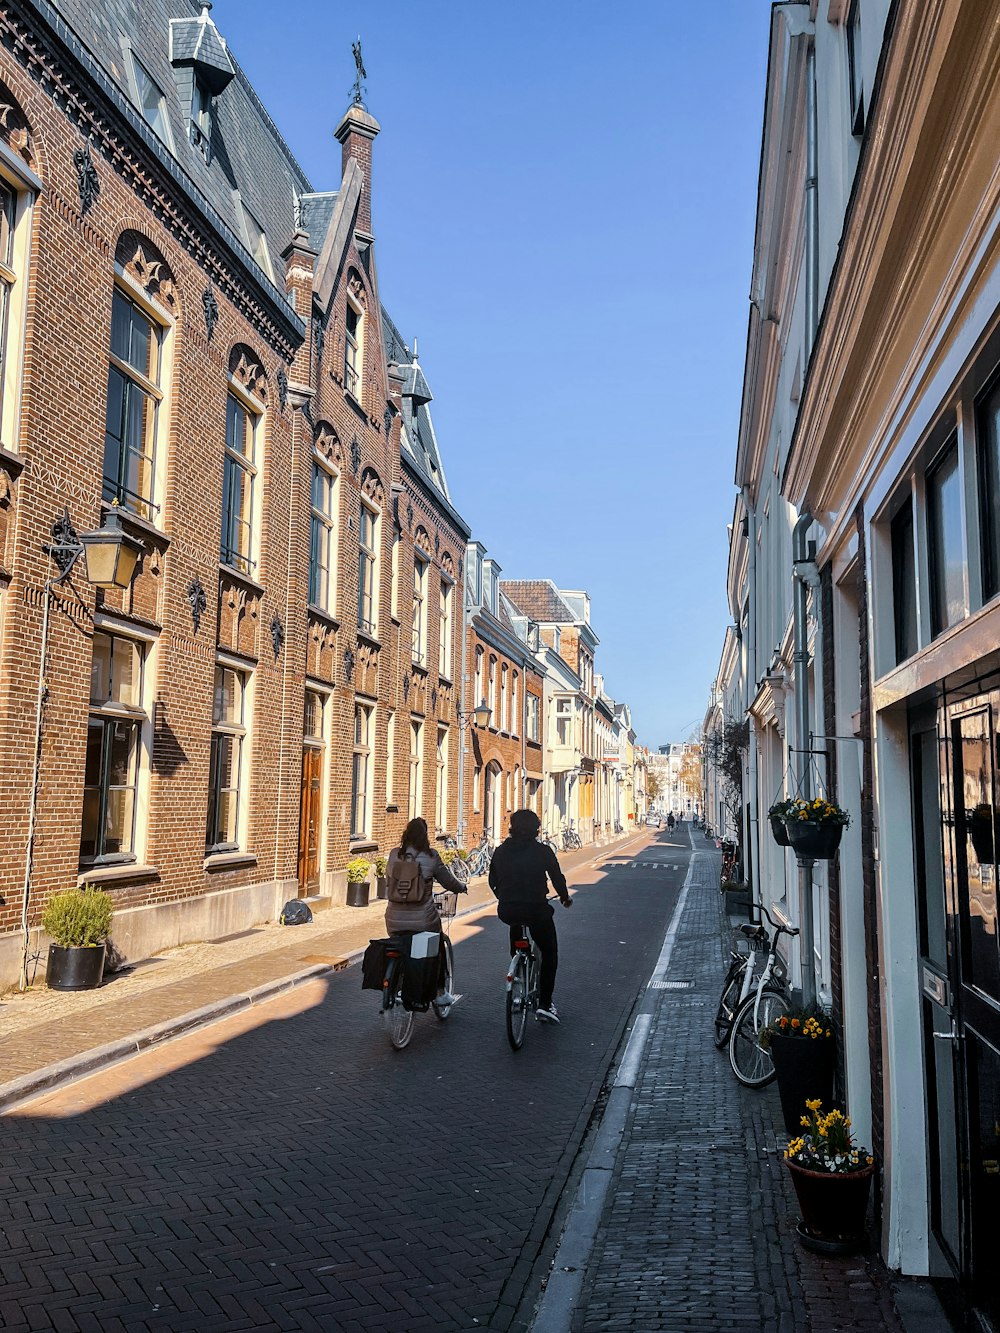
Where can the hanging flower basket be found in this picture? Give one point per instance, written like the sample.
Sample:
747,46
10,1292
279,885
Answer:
980,825
819,841
779,830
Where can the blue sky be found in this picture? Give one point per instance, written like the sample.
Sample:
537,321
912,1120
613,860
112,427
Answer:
563,205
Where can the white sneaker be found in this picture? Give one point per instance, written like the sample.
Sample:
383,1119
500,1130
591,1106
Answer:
444,999
549,1015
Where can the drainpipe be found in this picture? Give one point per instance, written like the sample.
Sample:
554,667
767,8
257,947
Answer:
464,732
753,830
805,575
812,205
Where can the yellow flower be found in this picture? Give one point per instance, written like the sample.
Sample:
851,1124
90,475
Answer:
814,1106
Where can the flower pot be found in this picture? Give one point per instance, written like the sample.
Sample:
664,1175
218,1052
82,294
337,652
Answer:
817,841
357,894
834,1205
381,887
75,969
779,830
803,1068
738,900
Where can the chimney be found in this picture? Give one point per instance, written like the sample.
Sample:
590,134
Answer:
356,132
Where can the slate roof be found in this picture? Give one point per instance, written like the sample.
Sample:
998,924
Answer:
248,153
420,446
539,600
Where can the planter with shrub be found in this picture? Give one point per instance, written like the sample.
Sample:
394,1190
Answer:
79,922
380,867
358,887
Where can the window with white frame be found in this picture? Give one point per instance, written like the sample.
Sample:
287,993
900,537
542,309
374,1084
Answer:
945,540
441,788
503,721
361,771
239,481
323,538
226,768
515,707
256,240
368,569
493,702
516,799
534,717
564,721
15,229
133,403
420,567
201,120
416,768
478,696
397,542
444,629
477,786
114,748
390,757
151,102
353,348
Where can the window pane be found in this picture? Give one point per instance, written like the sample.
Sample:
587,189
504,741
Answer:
228,696
132,339
151,102
8,205
946,546
988,432
904,582
118,822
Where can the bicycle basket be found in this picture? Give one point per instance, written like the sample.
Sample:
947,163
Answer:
447,903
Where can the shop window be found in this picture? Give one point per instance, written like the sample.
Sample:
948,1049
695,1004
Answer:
945,541
904,583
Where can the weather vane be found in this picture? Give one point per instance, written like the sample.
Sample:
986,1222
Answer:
359,88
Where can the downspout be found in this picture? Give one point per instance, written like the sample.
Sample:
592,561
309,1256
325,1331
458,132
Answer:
463,713
750,684
812,205
805,575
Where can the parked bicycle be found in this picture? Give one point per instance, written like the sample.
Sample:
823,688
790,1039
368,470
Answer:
398,1014
761,1000
459,865
547,840
729,861
478,862
570,838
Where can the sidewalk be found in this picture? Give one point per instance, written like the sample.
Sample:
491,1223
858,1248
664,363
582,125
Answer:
697,1228
52,1037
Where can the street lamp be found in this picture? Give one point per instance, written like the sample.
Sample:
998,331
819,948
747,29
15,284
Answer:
110,555
481,715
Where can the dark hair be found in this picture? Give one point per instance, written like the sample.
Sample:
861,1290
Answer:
524,824
415,836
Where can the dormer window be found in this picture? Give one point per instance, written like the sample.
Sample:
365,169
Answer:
201,120
256,241
150,100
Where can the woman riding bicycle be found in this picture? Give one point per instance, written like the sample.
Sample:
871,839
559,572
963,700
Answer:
519,875
412,917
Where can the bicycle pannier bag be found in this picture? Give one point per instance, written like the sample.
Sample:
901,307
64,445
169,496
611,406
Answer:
404,881
373,965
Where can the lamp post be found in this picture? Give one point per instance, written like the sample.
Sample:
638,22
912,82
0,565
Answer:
480,715
110,555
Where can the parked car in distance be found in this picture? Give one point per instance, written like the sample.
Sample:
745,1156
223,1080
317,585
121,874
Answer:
653,820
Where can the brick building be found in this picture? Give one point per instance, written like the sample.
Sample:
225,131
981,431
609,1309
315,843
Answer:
193,336
502,762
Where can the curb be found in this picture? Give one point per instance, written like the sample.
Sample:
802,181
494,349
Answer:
51,1077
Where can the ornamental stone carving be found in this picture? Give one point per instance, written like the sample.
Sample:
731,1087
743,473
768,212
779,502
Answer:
246,370
87,178
282,381
211,308
371,486
197,601
140,260
356,286
14,124
326,441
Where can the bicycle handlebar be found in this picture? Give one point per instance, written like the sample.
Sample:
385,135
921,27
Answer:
779,926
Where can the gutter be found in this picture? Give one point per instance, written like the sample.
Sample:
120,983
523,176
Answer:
805,575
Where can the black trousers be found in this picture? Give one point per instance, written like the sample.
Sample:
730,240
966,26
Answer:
539,921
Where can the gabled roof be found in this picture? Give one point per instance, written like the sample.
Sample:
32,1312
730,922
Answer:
419,442
539,599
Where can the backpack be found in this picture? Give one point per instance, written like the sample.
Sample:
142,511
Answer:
404,880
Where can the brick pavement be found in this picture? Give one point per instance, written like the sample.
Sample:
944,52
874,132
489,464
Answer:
698,1233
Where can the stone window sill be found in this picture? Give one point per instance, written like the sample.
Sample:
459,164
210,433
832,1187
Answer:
119,873
215,861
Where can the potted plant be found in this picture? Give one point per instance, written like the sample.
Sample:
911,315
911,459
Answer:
737,895
832,1177
802,1051
79,922
358,888
815,827
380,867
777,815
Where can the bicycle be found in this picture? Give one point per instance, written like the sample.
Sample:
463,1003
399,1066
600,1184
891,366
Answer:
459,865
522,988
765,1000
570,838
479,858
547,840
397,1013
728,862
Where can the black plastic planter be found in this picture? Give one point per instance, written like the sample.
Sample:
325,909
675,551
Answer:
75,969
381,890
819,842
357,894
779,830
803,1068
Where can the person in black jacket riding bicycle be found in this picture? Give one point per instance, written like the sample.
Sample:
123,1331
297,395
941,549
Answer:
519,875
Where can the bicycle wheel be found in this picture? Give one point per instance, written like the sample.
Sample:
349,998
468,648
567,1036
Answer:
460,869
728,1001
398,1021
751,1064
517,1003
449,979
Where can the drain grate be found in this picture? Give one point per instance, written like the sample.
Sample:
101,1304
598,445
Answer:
670,985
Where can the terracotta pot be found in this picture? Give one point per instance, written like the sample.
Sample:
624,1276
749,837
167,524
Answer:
818,841
834,1207
75,969
779,830
803,1068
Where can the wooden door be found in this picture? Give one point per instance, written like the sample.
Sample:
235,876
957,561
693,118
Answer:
310,816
